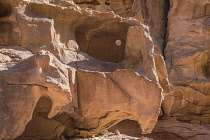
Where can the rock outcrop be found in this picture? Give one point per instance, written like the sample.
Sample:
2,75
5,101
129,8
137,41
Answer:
91,66
79,67
187,57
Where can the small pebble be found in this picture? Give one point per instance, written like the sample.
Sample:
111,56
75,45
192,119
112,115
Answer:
117,132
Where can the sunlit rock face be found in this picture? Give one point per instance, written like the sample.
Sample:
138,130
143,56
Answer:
187,57
79,67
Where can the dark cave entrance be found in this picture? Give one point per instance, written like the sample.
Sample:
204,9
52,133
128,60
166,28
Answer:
107,47
5,10
106,44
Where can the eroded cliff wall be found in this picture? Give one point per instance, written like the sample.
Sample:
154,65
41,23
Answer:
77,68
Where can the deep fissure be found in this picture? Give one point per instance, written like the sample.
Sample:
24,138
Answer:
167,8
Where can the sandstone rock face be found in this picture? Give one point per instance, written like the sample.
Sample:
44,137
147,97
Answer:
187,57
78,67
117,96
23,83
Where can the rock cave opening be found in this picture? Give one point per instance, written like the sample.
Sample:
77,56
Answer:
39,125
106,46
127,127
5,10
103,44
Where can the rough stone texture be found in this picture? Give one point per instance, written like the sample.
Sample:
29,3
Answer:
79,67
116,97
96,67
23,83
187,57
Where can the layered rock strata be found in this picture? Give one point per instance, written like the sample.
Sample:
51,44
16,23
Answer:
187,57
78,69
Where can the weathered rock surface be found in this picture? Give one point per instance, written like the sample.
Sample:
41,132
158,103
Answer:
79,67
23,83
187,57
96,67
116,96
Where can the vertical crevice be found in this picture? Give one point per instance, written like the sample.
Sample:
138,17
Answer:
167,8
145,12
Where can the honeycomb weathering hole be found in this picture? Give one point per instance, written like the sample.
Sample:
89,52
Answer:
104,46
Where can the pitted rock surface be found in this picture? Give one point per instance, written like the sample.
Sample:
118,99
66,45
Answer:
81,67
